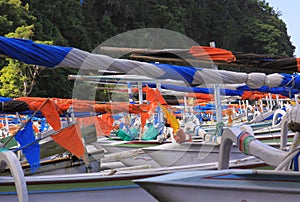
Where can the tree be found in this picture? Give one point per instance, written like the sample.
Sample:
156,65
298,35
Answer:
13,14
18,79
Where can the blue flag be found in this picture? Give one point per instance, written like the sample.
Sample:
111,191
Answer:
30,147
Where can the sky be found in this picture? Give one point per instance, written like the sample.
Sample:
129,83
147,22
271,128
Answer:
291,16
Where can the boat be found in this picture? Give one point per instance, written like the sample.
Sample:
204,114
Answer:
188,153
208,150
224,185
88,186
129,153
281,183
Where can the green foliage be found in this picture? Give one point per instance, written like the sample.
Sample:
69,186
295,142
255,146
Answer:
24,32
53,83
13,15
12,80
246,26
17,79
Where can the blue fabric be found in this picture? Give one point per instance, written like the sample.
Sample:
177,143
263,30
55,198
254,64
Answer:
5,99
296,162
285,91
43,126
117,117
290,80
178,72
264,89
33,53
31,147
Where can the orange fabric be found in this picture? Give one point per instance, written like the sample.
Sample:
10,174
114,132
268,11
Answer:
201,96
298,64
106,123
35,128
233,105
155,98
229,113
48,110
255,95
70,139
62,105
102,126
160,98
105,127
107,118
148,110
210,53
51,115
151,95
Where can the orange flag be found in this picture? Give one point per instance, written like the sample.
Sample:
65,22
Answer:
105,127
151,95
51,114
48,110
108,119
160,98
70,139
144,117
86,121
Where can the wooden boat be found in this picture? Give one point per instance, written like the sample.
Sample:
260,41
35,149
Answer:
208,150
225,186
280,184
174,154
129,153
86,186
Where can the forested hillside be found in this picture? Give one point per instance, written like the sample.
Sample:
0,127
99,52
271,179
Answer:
250,26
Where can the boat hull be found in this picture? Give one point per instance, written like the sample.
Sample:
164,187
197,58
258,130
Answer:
86,187
129,154
174,154
224,186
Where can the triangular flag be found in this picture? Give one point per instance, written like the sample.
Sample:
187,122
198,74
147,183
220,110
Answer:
70,139
51,114
30,148
171,119
106,124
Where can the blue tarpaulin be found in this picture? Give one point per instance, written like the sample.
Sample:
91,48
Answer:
33,53
57,56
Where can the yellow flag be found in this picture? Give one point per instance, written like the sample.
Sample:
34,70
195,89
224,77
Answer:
171,119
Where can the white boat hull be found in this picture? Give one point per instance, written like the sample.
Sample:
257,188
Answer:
224,186
174,154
